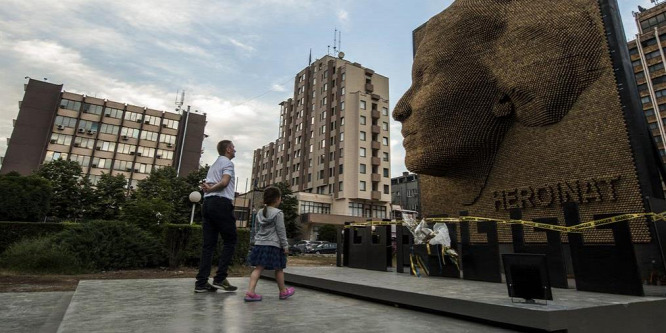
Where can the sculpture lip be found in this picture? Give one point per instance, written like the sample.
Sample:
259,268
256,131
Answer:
408,136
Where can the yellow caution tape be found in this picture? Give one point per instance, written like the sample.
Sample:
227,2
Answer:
574,229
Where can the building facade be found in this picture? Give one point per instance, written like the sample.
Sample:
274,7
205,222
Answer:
648,57
103,136
333,145
405,192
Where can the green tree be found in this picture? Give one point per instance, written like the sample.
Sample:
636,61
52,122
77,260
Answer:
328,233
24,198
289,207
109,196
68,188
174,191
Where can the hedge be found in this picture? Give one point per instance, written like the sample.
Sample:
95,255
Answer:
184,242
12,232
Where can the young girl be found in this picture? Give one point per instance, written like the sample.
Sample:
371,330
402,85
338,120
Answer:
270,245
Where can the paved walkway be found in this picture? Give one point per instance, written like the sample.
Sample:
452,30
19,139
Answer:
169,305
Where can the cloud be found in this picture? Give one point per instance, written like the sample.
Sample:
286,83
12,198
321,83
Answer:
279,88
343,16
241,45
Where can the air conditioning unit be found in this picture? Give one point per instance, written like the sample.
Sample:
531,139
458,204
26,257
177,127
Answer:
164,125
53,141
131,153
158,156
107,115
94,165
76,144
81,130
92,132
98,148
129,169
147,122
60,127
138,120
139,154
169,145
136,170
85,111
125,138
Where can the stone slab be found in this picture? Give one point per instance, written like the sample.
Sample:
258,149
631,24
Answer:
33,312
170,305
570,310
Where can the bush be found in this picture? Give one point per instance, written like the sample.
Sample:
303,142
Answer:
184,244
12,232
108,245
40,255
328,232
24,198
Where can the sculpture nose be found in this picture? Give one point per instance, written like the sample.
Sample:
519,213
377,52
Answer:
403,110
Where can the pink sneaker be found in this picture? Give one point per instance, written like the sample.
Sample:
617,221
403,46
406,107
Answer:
252,297
287,293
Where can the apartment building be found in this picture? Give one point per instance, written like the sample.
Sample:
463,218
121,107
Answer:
405,192
333,146
103,136
648,57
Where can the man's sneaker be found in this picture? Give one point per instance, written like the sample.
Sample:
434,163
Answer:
224,285
287,293
252,297
206,288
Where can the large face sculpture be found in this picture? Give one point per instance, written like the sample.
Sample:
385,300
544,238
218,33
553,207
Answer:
483,65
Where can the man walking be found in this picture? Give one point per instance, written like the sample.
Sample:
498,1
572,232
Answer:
218,218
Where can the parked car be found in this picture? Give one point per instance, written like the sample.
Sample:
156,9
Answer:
313,244
302,246
325,248
294,250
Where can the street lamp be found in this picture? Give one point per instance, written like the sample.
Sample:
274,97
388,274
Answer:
194,198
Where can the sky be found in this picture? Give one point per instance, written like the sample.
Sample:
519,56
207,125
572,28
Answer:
236,60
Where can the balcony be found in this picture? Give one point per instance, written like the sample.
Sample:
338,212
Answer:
375,177
376,129
376,195
375,114
369,88
376,161
375,145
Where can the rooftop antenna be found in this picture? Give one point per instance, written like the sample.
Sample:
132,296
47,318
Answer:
180,99
335,42
656,2
340,40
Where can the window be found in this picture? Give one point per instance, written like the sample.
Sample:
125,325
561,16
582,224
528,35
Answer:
385,141
340,187
362,121
92,108
386,189
65,121
122,165
379,211
343,78
342,91
106,145
170,123
84,142
101,163
386,157
342,136
362,106
168,139
362,136
148,135
385,111
113,113
645,99
109,129
314,207
129,132
355,209
143,168
152,120
386,172
342,106
132,116
145,151
61,139
164,154
54,155
361,185
362,152
83,160
70,105
385,126
126,149
340,169
87,125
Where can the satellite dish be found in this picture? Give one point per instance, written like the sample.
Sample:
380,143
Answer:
341,55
